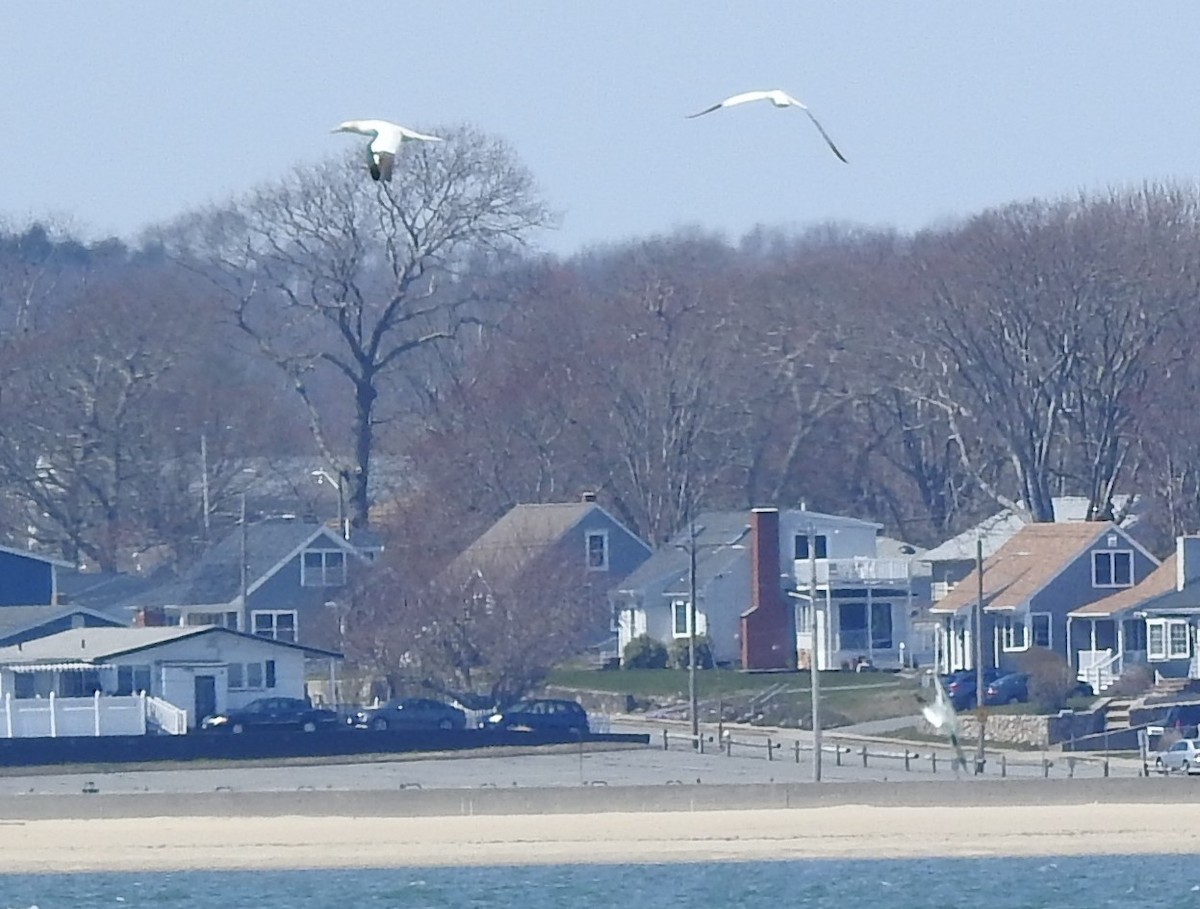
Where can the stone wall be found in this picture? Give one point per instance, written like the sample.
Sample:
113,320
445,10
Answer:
1040,731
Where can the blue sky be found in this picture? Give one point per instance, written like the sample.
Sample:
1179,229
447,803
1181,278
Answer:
118,115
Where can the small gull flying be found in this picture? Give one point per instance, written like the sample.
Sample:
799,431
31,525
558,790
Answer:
386,139
779,98
942,717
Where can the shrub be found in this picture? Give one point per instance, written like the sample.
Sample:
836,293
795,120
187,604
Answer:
643,652
679,653
1135,680
1051,679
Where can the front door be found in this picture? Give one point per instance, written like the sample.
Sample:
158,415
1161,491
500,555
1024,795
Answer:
206,696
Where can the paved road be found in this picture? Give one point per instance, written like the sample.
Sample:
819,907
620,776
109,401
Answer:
572,766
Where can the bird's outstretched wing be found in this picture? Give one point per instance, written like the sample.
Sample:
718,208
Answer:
943,717
824,135
413,134
731,101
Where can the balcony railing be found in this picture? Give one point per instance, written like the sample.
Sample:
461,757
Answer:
853,571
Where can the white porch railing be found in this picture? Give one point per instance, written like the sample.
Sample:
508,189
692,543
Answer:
54,716
861,570
1099,668
166,716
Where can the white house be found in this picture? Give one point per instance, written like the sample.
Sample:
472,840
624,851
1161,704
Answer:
754,582
127,681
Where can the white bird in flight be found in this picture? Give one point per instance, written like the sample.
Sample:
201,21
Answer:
780,99
942,717
386,139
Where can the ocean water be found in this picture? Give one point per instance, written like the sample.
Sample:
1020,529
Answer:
993,883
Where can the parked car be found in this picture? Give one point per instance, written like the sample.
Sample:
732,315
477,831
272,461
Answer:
960,686
272,714
1184,755
409,713
1014,689
541,715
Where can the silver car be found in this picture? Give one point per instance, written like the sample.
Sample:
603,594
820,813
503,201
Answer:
1183,755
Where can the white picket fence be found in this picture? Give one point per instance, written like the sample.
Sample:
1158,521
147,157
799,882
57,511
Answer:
55,716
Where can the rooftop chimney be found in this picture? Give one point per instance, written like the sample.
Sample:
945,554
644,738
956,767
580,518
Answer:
768,633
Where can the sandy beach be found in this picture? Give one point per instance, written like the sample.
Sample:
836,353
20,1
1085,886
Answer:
862,831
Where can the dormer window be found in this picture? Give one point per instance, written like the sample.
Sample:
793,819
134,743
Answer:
597,550
323,568
820,544
1112,569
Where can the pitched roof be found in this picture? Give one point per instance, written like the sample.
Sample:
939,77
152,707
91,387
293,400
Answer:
102,590
1020,568
521,535
1158,582
216,578
15,619
721,539
90,645
997,529
41,557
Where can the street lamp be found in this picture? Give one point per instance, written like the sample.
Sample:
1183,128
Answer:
323,476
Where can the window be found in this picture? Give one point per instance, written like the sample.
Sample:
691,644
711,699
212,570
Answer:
1112,569
237,676
803,617
1041,629
881,626
820,545
1012,634
597,550
254,675
323,568
275,624
679,609
269,672
1168,639
220,619
132,679
852,626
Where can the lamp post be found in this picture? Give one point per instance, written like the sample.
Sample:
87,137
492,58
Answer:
323,476
244,617
204,480
980,710
692,705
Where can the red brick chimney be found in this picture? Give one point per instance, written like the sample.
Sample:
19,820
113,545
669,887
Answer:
149,616
768,629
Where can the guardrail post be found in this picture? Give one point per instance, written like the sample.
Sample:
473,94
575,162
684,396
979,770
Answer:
700,742
906,756
728,743
1106,767
797,744
1045,768
1003,765
666,747
770,749
933,761
837,754
864,755
1071,767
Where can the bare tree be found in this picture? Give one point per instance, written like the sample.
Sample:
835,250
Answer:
340,281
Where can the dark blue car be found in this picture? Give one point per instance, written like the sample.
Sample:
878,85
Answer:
545,714
960,686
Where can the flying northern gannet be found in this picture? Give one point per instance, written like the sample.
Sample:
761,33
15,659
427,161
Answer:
780,99
942,717
386,139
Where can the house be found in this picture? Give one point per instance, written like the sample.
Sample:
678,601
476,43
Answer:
594,549
28,578
755,578
127,681
19,624
954,559
1030,585
1154,623
278,578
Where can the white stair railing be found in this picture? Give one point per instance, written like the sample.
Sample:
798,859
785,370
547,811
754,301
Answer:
1100,668
166,716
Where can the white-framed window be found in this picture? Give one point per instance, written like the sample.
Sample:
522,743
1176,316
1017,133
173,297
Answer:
277,624
680,615
803,616
1041,629
250,676
596,550
323,568
1112,568
132,679
820,546
220,619
1013,634
1168,639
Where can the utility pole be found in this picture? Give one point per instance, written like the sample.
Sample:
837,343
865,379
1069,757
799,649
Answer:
204,479
814,672
692,704
980,709
244,618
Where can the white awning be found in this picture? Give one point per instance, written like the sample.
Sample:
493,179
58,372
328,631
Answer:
58,667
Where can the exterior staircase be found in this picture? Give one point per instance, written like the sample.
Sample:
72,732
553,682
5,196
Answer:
1116,715
1166,689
